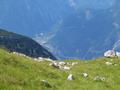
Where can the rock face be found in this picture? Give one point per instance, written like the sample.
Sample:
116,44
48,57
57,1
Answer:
23,44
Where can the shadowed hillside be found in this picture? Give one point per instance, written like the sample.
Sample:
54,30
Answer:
22,44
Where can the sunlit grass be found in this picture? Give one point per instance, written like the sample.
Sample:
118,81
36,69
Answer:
20,73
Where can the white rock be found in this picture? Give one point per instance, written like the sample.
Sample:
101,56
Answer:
70,77
19,54
98,78
85,74
110,53
44,81
40,58
108,63
66,68
118,54
74,63
55,64
68,63
14,52
35,59
48,59
62,63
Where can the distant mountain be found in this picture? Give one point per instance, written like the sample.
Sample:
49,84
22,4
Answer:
87,38
71,29
23,44
31,17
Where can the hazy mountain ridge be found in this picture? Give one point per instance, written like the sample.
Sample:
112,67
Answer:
76,19
78,33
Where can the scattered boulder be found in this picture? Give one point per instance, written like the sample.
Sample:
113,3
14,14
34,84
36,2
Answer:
68,63
98,78
40,58
108,63
74,63
48,59
35,59
85,75
118,54
110,53
62,63
55,64
66,68
70,77
19,54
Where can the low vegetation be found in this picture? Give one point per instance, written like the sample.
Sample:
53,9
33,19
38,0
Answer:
20,73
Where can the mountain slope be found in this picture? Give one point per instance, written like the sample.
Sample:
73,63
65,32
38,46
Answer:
22,44
88,32
32,17
87,38
19,73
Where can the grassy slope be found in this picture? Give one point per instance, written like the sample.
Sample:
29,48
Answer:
19,73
